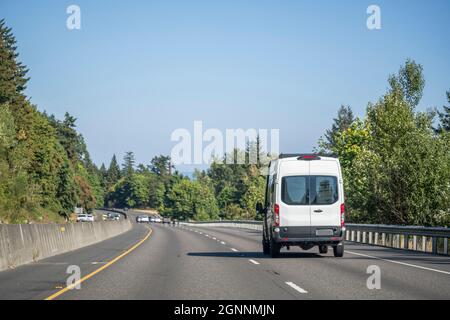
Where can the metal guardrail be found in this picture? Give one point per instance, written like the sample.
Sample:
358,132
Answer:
423,239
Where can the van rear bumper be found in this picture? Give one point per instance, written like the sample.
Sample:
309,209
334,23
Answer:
313,234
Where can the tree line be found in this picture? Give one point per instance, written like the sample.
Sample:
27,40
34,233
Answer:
224,191
45,167
395,159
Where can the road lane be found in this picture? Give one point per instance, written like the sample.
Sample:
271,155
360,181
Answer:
165,268
326,277
225,263
41,279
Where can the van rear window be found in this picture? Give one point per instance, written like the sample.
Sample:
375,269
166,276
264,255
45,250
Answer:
324,190
295,190
309,190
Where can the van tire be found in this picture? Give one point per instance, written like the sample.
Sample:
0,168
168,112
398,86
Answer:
338,250
274,249
323,249
266,246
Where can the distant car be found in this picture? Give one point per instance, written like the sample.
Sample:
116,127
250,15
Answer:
114,216
166,220
85,218
157,220
142,219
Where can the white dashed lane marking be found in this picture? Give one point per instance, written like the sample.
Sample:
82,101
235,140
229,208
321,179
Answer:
296,287
253,261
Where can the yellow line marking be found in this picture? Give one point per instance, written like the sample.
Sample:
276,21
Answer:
57,294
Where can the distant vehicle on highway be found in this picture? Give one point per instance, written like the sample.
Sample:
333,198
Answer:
304,204
113,216
156,219
85,218
166,221
143,219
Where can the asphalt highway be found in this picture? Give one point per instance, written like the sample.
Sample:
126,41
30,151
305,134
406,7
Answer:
180,262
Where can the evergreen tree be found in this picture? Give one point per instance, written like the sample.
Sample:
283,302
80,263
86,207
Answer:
13,78
113,174
341,123
444,117
161,165
128,164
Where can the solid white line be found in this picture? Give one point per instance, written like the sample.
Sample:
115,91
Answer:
398,262
253,261
233,249
296,287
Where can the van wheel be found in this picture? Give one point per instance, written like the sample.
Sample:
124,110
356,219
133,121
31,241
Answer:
274,249
338,250
266,246
323,249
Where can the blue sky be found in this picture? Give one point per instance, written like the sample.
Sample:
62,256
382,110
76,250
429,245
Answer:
137,70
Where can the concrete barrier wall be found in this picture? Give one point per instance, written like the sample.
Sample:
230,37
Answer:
21,244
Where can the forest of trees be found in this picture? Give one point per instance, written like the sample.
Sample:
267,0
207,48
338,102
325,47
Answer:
45,168
395,160
226,191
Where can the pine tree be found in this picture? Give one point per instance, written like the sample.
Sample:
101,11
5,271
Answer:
161,165
343,121
128,164
113,173
444,117
13,78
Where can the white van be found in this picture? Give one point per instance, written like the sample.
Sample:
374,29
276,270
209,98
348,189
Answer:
304,204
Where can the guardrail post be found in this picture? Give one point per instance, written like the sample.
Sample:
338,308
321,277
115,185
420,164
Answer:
376,238
434,245
358,236
364,237
383,239
446,246
415,243
353,236
347,235
370,237
424,244
406,241
396,241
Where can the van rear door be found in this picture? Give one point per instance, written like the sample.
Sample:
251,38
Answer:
293,198
325,191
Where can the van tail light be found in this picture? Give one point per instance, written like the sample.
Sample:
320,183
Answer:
276,214
343,215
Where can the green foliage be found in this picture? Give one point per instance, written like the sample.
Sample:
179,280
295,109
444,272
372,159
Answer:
44,164
409,82
396,169
128,164
444,117
193,200
12,72
343,120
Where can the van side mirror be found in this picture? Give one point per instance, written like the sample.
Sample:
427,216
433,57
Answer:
259,207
